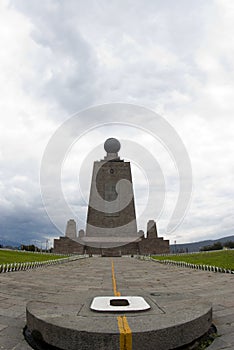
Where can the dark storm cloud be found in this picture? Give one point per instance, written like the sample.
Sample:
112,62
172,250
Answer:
26,225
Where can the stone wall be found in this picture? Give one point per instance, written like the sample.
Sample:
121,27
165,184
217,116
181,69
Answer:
144,246
65,245
154,246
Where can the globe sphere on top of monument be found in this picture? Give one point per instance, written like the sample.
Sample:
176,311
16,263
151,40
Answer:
112,145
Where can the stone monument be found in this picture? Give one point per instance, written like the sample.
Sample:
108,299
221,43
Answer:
111,211
151,229
111,228
71,229
81,233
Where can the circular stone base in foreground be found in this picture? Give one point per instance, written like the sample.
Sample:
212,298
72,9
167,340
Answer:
67,322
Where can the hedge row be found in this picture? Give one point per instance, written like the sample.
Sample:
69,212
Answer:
35,264
194,266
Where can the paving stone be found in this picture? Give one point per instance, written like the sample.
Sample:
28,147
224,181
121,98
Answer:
226,329
22,346
95,274
3,326
228,338
225,312
219,344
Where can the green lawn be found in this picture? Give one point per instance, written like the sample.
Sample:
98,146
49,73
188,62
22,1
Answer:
222,258
14,256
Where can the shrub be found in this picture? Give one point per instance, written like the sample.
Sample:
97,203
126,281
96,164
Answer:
229,244
215,246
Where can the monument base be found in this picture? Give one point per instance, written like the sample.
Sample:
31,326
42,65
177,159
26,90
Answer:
173,320
119,245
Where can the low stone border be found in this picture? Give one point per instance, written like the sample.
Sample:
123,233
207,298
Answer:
194,266
36,264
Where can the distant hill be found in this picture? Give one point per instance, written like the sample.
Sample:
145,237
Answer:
196,246
8,243
191,247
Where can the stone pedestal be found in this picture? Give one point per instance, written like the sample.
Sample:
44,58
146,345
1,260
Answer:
172,321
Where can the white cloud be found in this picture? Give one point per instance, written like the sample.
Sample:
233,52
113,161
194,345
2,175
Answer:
173,57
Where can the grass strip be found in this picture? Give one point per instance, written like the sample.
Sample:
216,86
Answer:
223,258
14,256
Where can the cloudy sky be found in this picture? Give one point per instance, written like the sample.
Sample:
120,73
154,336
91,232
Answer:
175,58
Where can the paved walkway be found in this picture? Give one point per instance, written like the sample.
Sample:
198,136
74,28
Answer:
17,288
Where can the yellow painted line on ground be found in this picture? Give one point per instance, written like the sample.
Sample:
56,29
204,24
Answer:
125,333
121,333
116,293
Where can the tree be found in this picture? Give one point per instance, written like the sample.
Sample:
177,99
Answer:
215,246
229,244
29,248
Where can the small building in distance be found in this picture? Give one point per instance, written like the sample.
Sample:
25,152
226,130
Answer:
111,228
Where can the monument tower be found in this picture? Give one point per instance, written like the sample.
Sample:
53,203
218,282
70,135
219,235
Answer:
111,228
111,210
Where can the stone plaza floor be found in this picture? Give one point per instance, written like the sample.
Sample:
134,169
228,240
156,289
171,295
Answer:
17,288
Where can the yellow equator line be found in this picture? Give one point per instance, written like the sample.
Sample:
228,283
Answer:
125,339
116,293
125,332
